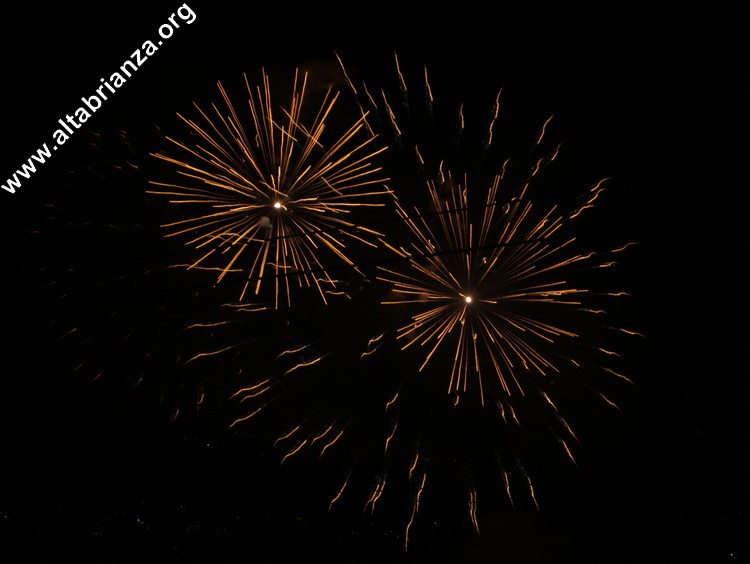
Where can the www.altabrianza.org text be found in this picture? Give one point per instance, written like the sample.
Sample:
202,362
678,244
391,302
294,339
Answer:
70,123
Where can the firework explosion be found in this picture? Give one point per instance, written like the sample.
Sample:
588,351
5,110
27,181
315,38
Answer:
490,303
481,287
505,306
278,192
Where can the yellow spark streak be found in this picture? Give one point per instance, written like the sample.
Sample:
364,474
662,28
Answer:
372,346
531,489
617,374
206,325
629,332
245,418
428,90
402,82
294,351
330,443
289,434
391,116
322,434
304,364
391,401
495,114
251,390
544,129
377,492
625,246
388,440
414,465
338,495
212,353
567,450
414,510
473,509
610,402
506,481
293,451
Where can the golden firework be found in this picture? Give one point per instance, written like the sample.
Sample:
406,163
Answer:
270,196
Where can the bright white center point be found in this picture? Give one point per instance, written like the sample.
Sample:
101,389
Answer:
277,205
468,299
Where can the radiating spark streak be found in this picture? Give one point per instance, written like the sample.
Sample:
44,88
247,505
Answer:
608,401
330,443
414,465
372,346
212,353
428,90
473,509
322,434
293,351
414,510
344,484
625,246
565,426
376,494
567,450
391,401
543,131
338,495
244,418
391,118
275,191
401,81
528,483
493,118
368,352
289,434
294,451
506,483
207,325
251,391
617,374
375,340
629,332
338,293
390,436
304,364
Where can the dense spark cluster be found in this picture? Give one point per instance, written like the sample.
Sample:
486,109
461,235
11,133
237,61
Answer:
473,284
270,200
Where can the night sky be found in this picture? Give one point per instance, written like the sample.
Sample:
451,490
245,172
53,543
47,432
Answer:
104,455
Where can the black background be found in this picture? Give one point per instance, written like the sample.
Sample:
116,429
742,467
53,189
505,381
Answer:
98,472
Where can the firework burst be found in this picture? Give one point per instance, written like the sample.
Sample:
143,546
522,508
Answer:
273,200
484,311
484,286
493,291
